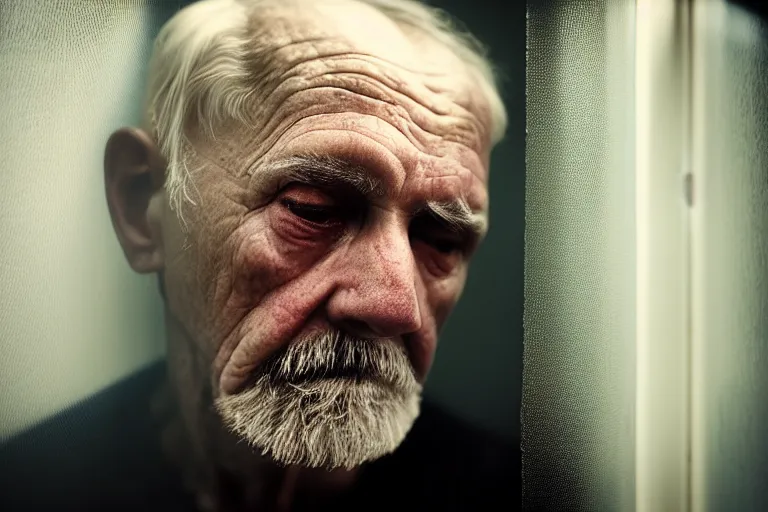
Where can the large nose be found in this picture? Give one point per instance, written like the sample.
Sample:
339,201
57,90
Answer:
376,295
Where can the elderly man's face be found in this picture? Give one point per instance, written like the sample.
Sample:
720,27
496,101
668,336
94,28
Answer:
327,217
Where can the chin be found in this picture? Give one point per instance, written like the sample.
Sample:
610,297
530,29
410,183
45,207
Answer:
337,422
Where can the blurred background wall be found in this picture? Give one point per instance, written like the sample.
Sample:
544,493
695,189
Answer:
75,319
646,313
730,235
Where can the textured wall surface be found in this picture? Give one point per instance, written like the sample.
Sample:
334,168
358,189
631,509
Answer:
595,222
73,316
578,366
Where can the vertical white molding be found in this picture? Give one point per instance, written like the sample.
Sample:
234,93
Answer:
699,22
662,392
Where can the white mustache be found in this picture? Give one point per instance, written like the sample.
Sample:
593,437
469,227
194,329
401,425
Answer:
334,354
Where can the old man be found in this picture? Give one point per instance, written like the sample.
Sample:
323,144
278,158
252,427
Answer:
309,186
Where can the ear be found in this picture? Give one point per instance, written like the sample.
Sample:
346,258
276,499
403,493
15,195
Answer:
134,172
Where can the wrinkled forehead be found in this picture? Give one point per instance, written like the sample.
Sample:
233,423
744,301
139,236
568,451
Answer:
345,81
314,33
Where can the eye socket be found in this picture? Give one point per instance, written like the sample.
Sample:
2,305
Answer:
440,255
433,233
445,246
314,213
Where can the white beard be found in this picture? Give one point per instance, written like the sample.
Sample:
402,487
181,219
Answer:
328,401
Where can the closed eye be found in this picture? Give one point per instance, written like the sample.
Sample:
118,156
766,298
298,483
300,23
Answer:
438,235
314,213
445,246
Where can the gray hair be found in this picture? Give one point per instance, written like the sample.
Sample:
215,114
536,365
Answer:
199,69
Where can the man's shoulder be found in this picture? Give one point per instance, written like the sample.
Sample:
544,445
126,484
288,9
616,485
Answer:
106,450
104,446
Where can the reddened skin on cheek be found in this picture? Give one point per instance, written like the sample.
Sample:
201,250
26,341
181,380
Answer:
281,277
279,317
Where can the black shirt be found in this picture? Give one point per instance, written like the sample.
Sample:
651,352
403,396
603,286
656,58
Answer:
104,454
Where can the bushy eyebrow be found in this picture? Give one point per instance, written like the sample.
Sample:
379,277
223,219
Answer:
458,217
317,170
326,171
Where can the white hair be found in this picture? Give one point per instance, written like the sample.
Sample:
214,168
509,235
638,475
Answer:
202,69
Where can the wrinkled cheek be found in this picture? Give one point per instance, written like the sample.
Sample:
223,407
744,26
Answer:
182,298
443,311
442,299
264,262
198,279
289,292
255,264
191,283
445,295
421,348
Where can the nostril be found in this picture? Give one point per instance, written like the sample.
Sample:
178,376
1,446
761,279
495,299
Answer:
358,328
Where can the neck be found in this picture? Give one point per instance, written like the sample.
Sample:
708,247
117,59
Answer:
222,472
